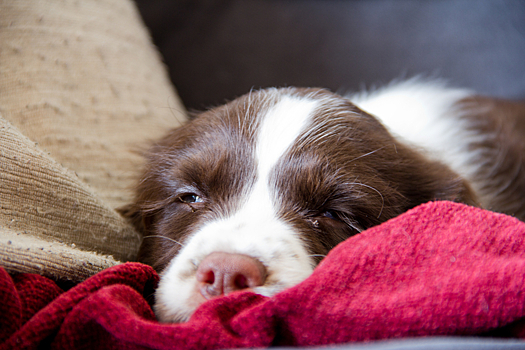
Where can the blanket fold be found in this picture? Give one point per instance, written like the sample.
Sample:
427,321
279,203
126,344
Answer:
440,269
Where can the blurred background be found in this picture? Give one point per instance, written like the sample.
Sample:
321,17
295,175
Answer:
216,50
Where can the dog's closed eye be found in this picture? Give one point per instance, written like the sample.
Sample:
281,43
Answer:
332,214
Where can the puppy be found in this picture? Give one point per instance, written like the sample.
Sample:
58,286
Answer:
253,194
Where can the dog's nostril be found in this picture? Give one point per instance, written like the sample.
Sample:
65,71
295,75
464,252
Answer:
241,282
208,277
222,273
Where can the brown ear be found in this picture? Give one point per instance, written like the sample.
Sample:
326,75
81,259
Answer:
423,180
147,249
133,215
150,252
467,195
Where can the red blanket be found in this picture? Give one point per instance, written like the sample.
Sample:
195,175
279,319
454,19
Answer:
440,269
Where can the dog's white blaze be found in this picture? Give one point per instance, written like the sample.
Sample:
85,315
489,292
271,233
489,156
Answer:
280,128
254,229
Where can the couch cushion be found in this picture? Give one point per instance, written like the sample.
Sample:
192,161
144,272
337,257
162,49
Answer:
82,81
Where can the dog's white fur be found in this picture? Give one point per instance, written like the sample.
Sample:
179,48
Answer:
416,111
422,114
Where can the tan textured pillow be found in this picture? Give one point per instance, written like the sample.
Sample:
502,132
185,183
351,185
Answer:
83,81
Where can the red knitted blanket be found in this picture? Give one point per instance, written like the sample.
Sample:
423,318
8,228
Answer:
439,269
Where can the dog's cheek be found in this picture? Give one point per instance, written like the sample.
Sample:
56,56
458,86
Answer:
149,254
169,308
316,237
162,238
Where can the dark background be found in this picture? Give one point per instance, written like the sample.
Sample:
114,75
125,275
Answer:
216,50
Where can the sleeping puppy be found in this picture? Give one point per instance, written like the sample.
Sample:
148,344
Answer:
253,194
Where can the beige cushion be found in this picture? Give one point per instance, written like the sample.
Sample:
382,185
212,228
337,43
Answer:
82,92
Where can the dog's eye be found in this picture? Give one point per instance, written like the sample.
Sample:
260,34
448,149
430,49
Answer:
332,214
190,198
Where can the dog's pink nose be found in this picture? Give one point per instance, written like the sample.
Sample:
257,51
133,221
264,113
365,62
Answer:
222,273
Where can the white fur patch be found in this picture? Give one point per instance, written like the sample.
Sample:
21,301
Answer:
253,230
422,114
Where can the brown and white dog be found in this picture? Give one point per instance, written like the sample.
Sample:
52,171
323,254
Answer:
253,194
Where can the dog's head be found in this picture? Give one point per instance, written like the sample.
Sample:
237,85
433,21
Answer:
253,194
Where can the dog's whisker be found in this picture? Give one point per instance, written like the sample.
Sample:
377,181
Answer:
373,189
168,238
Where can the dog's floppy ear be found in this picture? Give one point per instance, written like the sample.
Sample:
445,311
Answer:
405,175
147,249
134,216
